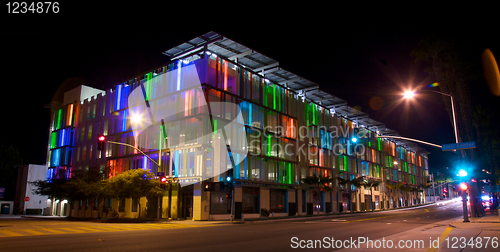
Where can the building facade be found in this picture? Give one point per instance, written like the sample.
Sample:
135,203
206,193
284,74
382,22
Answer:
292,129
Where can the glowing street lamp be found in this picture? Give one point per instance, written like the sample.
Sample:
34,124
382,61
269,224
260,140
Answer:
411,93
136,118
462,173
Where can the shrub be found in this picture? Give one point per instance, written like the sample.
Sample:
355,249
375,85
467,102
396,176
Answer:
264,212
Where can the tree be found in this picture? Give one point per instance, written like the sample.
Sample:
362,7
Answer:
135,183
10,161
318,183
371,183
455,67
348,184
90,185
391,187
55,189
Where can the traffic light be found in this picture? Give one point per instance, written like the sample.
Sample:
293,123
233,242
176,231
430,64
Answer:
208,186
354,137
228,196
163,181
100,142
229,177
464,186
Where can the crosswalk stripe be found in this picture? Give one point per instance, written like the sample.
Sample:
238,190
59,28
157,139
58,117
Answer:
151,227
121,227
134,227
89,229
10,233
74,230
155,225
33,232
108,228
55,231
113,228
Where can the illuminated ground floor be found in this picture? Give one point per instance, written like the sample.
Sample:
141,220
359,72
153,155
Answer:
250,201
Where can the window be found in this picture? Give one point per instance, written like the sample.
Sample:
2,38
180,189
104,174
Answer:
278,200
251,200
219,203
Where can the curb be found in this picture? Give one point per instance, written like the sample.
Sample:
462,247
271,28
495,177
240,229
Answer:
290,218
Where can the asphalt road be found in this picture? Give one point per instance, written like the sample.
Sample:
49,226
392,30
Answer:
257,236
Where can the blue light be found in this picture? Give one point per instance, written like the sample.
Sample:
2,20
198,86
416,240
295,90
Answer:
354,139
462,173
228,178
118,97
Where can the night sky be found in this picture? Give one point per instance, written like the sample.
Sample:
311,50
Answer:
354,57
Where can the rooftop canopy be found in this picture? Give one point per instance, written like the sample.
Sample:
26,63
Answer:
269,68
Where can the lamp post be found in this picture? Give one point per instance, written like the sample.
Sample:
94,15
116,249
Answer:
463,174
409,94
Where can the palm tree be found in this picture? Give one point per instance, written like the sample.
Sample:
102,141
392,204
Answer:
371,183
392,188
348,183
407,188
318,183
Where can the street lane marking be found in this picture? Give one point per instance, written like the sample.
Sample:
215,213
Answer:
33,232
427,210
10,233
74,230
110,229
441,240
123,228
369,219
53,231
92,229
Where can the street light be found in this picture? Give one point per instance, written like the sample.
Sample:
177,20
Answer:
462,173
411,93
464,187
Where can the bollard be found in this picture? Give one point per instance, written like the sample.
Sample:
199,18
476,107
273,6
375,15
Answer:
498,208
242,218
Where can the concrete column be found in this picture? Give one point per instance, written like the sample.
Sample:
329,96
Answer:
197,199
201,203
299,202
264,198
174,210
164,205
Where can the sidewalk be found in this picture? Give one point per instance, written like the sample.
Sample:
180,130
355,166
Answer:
490,222
254,220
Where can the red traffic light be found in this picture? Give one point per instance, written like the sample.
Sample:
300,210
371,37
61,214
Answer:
464,186
163,179
473,180
100,142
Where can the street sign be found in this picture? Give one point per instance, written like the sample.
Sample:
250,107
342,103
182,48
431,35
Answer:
459,146
26,198
2,192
